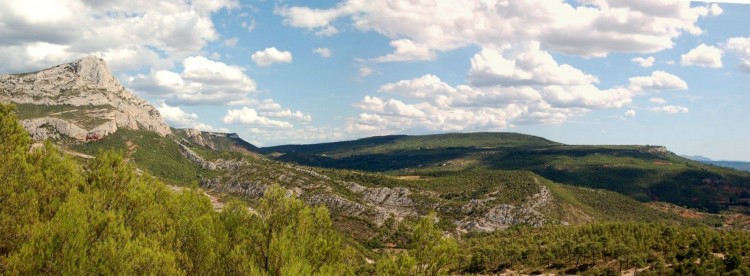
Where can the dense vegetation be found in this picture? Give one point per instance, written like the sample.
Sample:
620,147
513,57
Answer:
59,217
609,249
102,216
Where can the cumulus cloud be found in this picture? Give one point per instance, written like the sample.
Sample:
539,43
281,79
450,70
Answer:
630,113
176,117
327,31
41,33
270,56
644,62
515,84
670,109
407,50
272,109
250,117
260,136
419,29
524,65
740,46
703,56
659,80
202,81
323,52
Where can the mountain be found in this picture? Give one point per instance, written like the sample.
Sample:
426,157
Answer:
497,192
80,100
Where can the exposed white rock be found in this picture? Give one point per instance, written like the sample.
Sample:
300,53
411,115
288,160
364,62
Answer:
42,128
85,82
197,159
503,216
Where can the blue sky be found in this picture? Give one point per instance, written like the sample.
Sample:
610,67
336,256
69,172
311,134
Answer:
671,72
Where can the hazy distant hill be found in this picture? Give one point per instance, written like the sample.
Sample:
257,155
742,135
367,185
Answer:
738,165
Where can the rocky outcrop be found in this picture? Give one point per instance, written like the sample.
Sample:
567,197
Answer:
197,159
209,165
51,128
382,195
658,150
249,189
195,136
47,127
85,82
503,216
337,203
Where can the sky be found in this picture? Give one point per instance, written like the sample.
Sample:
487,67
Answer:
667,72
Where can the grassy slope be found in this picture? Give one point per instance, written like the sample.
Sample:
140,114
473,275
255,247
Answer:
159,156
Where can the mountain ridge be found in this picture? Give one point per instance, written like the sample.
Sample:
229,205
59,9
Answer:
80,100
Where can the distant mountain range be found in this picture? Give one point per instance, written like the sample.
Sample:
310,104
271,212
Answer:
738,165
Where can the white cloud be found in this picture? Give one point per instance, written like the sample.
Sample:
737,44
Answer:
644,62
658,100
79,28
327,31
703,56
272,109
419,29
630,113
176,117
250,117
513,85
523,65
671,109
261,136
659,80
407,50
202,81
323,52
740,46
270,56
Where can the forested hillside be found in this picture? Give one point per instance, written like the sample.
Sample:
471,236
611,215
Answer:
102,216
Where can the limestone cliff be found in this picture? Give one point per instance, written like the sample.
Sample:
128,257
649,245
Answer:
81,100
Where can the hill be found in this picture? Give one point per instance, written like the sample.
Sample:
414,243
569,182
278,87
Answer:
645,173
737,165
399,143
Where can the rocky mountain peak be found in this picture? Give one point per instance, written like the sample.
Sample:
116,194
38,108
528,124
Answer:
95,70
81,100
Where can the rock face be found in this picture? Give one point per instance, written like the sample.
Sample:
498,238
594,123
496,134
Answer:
503,216
86,86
